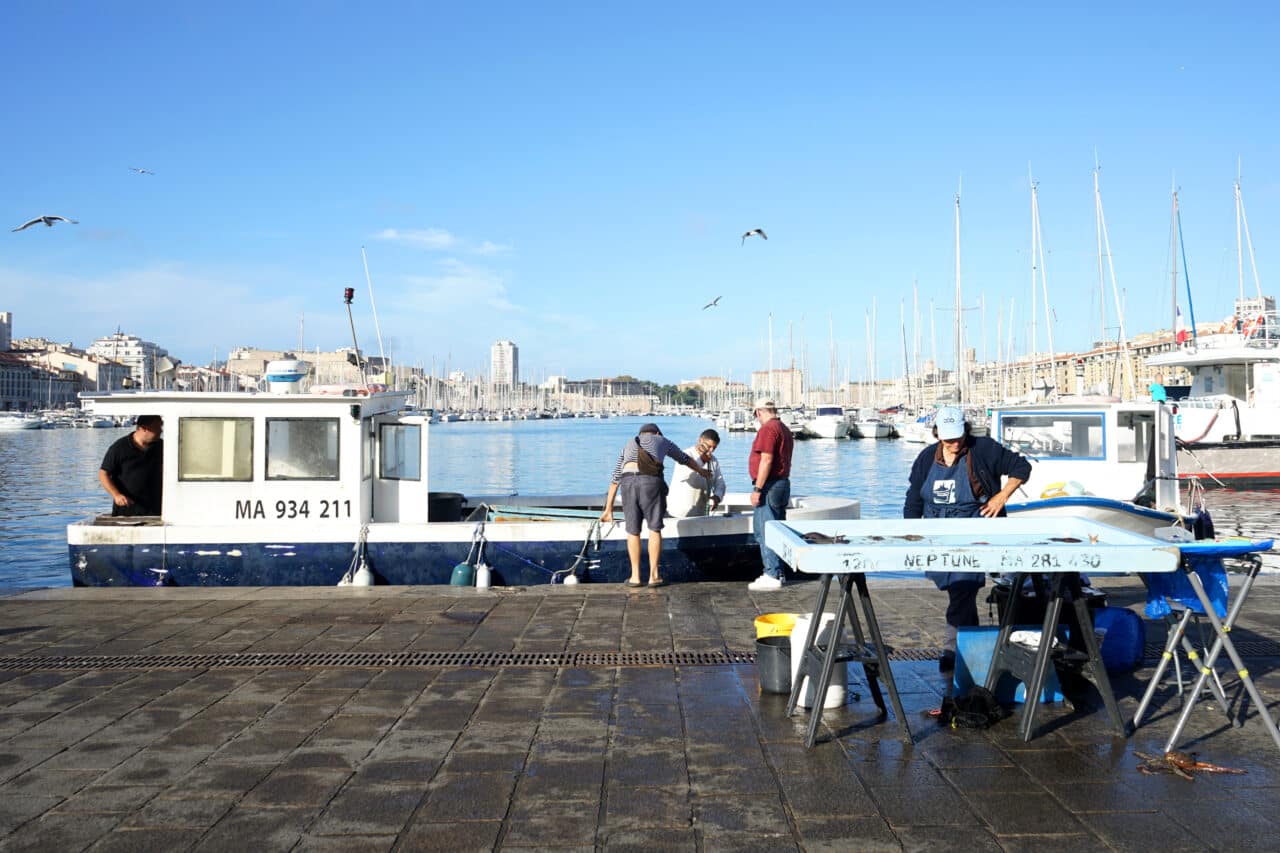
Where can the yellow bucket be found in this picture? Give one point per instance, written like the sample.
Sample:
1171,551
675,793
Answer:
775,624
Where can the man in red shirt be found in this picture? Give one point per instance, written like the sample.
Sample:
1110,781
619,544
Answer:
770,470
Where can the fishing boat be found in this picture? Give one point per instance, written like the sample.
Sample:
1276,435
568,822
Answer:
1096,458
329,484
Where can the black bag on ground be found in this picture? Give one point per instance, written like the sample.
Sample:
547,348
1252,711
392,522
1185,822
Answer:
976,709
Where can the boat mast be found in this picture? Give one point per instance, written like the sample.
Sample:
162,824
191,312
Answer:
1173,241
373,306
960,379
906,364
1044,286
1105,245
1243,218
1097,224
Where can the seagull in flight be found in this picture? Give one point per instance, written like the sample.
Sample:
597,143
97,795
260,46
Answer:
141,171
712,304
754,232
47,220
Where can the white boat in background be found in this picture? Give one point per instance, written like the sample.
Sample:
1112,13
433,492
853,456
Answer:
868,424
828,422
317,489
1097,459
19,421
918,431
1228,426
737,420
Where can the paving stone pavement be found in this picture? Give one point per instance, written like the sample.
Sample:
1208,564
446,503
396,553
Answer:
645,757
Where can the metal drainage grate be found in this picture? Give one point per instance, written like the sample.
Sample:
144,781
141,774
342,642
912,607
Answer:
468,660
378,660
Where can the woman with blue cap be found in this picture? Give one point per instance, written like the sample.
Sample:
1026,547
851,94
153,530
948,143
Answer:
960,477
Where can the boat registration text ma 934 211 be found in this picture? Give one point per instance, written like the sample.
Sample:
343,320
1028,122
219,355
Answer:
288,509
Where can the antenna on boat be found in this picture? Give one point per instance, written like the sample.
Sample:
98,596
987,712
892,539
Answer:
376,327
348,294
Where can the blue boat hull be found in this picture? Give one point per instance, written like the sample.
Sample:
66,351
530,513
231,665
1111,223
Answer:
723,557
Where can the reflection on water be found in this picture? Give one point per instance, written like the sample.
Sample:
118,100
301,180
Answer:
49,477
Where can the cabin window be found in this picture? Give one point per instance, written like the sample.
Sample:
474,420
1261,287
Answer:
1135,436
302,448
401,452
1054,435
215,449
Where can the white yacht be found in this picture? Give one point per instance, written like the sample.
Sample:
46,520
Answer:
19,420
868,424
828,422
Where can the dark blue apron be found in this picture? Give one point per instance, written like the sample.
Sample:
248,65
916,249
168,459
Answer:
947,493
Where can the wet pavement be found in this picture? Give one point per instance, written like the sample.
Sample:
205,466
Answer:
322,748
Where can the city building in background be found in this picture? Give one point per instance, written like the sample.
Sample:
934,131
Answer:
149,365
504,363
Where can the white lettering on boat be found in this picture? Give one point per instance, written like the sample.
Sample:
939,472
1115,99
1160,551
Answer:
291,509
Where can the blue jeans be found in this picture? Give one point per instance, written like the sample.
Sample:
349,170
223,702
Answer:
773,507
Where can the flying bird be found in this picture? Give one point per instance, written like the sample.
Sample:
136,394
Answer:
47,220
712,304
754,232
141,171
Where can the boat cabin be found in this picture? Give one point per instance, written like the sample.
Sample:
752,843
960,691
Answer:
348,455
1110,449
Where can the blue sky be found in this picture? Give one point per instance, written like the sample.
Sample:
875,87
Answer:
575,176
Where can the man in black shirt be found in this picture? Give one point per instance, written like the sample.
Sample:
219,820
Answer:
132,470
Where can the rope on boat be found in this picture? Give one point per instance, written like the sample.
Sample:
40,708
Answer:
1213,420
580,562
1203,468
358,573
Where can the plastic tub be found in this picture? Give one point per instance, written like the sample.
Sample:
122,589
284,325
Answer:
775,624
773,664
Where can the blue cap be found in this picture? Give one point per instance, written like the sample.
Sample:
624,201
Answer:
949,422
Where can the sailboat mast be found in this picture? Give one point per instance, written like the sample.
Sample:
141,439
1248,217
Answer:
1097,222
1173,241
374,308
772,395
1035,353
1239,242
960,379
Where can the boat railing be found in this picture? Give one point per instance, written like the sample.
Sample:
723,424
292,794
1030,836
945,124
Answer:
1216,402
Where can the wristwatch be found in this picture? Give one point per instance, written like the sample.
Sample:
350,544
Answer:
756,489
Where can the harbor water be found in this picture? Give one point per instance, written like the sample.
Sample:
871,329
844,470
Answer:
49,478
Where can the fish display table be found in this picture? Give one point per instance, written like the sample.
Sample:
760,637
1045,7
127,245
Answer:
1057,549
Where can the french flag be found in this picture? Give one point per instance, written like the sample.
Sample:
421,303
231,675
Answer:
1180,332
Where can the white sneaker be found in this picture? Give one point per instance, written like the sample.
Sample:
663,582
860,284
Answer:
765,583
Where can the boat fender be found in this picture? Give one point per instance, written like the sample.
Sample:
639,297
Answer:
363,576
463,575
570,580
483,575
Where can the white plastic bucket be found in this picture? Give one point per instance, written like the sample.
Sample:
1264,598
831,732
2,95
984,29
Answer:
838,689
